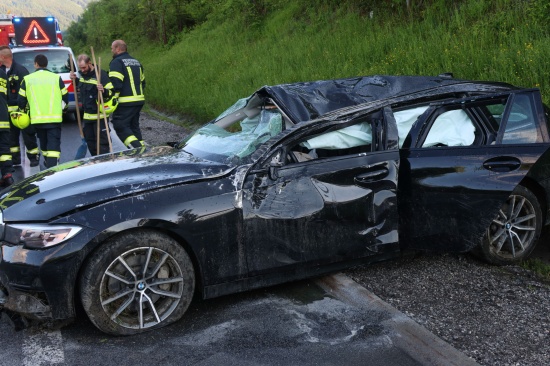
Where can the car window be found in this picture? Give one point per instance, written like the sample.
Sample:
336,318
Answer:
354,139
58,59
521,124
496,111
451,128
236,142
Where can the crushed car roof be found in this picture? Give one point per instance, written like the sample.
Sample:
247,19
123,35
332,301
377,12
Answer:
308,100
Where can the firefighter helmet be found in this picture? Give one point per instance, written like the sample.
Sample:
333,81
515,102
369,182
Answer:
20,120
109,106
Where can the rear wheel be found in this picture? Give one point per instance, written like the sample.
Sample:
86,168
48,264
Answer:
136,282
513,234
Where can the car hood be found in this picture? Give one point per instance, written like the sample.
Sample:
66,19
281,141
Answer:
81,183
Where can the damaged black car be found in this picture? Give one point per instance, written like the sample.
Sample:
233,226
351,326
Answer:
296,180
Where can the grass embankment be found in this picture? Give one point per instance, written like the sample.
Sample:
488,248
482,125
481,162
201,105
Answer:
221,61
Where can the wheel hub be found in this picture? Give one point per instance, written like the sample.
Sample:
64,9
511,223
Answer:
141,288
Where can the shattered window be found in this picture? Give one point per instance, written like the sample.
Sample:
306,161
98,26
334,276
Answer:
240,104
521,125
214,143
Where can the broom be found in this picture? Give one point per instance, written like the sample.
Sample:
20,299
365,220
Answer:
81,151
100,96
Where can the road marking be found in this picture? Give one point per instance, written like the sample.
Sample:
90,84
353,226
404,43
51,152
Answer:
42,347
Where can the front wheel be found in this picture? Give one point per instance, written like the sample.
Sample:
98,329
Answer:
513,234
137,281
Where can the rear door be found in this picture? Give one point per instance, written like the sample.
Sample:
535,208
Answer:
329,196
460,162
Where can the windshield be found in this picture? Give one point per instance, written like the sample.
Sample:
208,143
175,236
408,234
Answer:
58,59
215,143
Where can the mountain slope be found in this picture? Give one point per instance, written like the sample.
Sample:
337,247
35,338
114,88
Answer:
66,11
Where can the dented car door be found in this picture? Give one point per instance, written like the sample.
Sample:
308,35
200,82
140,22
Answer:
319,206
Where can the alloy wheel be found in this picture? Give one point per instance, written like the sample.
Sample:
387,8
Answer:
141,287
512,232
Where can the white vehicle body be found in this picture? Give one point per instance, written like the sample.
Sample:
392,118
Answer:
58,62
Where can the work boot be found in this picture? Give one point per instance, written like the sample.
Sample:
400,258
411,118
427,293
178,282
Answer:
34,160
7,180
16,159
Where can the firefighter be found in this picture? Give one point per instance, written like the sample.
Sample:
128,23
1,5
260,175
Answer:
16,73
126,74
88,91
44,92
6,166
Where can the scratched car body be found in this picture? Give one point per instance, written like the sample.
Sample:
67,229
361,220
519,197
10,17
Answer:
295,181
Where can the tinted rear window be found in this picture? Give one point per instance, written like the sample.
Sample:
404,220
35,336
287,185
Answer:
58,60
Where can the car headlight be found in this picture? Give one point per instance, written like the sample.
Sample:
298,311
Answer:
39,236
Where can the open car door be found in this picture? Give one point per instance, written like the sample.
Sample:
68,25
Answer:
459,164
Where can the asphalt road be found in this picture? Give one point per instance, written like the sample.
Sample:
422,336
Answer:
70,142
328,321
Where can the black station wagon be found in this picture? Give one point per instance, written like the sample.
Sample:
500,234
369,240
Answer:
294,181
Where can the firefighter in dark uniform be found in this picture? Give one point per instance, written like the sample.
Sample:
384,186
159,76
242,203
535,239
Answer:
44,92
126,74
16,73
88,92
6,166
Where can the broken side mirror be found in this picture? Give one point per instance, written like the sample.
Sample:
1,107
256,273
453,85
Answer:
274,169
274,165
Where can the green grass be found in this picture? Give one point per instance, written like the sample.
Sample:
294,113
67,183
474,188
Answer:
541,268
215,64
236,51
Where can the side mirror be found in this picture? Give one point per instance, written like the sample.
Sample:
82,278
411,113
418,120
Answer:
274,169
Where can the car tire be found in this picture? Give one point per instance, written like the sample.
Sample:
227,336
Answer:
515,231
137,281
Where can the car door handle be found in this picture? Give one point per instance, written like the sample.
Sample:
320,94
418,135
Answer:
372,175
502,164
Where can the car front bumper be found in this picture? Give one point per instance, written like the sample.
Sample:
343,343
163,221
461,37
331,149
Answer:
40,284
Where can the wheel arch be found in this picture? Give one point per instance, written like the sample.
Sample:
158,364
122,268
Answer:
541,195
111,233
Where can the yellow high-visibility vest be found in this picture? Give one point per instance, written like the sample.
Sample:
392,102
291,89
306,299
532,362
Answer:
43,93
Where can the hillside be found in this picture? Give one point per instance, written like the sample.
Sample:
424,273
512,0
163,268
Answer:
199,56
66,11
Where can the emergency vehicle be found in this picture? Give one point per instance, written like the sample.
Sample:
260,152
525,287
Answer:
42,35
7,31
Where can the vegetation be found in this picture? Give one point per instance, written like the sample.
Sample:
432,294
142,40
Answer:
538,266
202,55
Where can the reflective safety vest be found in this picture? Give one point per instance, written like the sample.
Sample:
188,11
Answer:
44,94
4,115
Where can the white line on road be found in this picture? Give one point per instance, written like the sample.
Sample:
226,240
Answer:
43,347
